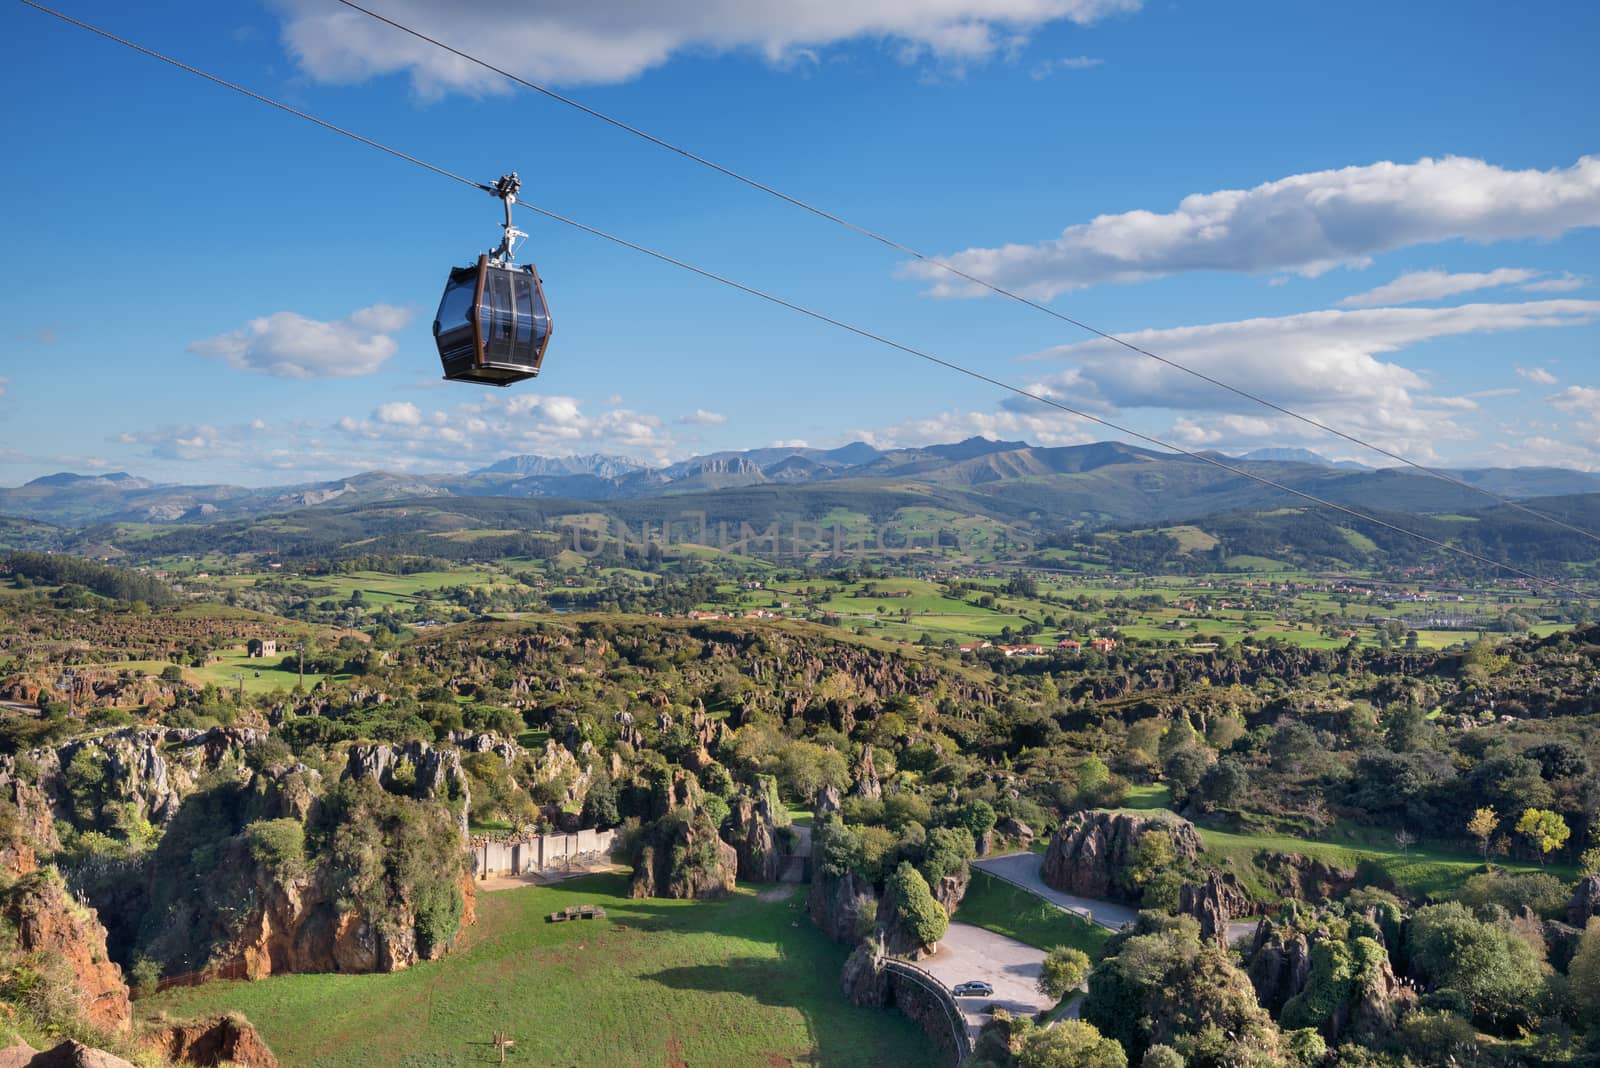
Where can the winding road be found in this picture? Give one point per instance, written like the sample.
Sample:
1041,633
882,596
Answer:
1026,872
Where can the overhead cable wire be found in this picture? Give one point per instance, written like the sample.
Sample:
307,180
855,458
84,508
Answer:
943,265
810,312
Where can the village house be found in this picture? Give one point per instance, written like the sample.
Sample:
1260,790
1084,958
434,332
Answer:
1103,645
972,647
1069,645
261,647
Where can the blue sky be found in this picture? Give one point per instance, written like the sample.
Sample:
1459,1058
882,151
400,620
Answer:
1386,215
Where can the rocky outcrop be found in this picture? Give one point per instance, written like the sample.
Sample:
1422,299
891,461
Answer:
1308,977
1278,962
415,769
864,980
1016,831
1585,901
841,905
1303,878
556,764
950,889
150,768
35,820
49,923
1091,851
866,778
828,800
69,1054
227,1039
686,859
1214,904
753,833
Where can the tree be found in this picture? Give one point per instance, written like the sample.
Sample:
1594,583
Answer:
1481,826
1064,969
1496,971
915,909
1546,831
1183,771
1070,1044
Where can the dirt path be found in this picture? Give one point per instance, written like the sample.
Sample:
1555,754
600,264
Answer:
496,883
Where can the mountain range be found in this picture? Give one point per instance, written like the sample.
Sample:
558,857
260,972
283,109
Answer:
1105,482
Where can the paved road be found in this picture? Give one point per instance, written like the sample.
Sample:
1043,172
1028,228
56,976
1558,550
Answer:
967,952
1024,870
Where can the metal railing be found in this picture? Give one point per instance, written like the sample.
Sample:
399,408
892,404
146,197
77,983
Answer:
926,980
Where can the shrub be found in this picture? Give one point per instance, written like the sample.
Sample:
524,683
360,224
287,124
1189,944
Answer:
915,909
278,845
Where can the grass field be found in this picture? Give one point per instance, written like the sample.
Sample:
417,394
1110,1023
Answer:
996,905
1420,871
725,984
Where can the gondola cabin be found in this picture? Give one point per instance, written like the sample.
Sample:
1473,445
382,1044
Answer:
493,324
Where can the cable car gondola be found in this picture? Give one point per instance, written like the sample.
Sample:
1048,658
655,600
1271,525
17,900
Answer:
493,325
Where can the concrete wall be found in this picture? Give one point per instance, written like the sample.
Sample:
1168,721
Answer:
532,853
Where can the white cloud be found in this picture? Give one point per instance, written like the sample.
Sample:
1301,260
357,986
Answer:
381,318
1565,282
1543,451
701,417
1538,375
4,382
288,345
1584,399
1325,364
789,443
398,413
1043,70
580,42
1039,425
405,437
1414,286
1306,223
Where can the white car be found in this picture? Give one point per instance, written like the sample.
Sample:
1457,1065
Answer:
976,989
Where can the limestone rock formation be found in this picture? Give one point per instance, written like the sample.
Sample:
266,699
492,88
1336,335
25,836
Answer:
752,832
1214,903
863,979
48,922
839,905
1585,901
1091,851
828,800
151,768
557,764
1015,830
1278,962
1358,996
866,778
416,769
1307,878
226,1039
686,860
950,889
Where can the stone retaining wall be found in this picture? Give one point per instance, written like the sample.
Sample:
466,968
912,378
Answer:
521,854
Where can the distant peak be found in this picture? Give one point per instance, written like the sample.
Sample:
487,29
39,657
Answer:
69,478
